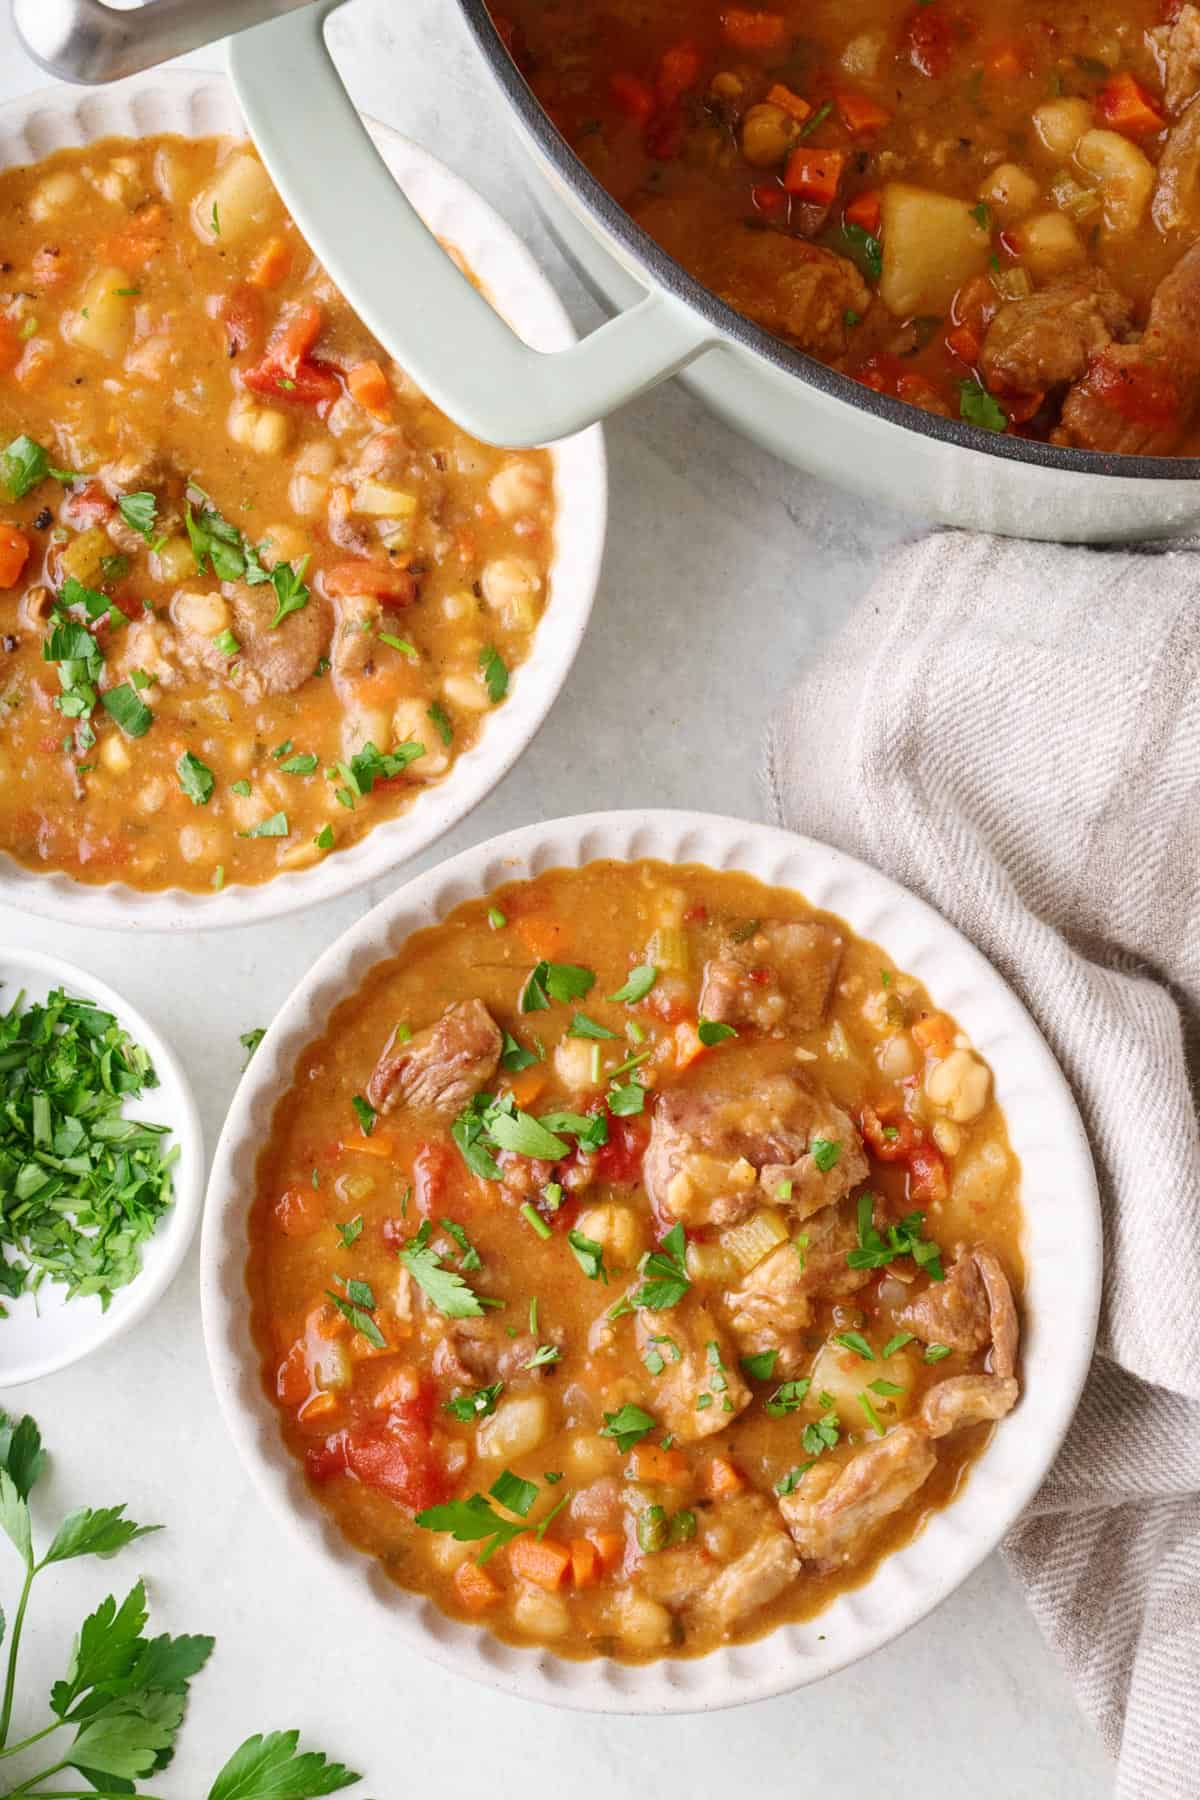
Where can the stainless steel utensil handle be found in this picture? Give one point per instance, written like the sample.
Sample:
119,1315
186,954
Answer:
401,282
88,42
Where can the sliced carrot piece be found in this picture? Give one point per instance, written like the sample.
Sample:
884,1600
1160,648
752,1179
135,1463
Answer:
542,935
814,174
649,1462
860,112
751,30
475,1588
378,1144
632,96
544,1564
272,264
526,1085
687,1044
299,1212
935,1032
14,553
723,1479
293,1378
1125,106
319,1407
585,1563
678,71
296,337
790,103
379,579
1005,63
864,210
963,343
610,1548
371,388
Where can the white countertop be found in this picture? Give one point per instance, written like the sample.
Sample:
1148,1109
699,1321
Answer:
724,569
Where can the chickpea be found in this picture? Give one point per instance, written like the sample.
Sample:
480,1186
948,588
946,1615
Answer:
897,1057
768,133
542,1615
206,615
959,1085
1009,190
509,578
411,724
518,487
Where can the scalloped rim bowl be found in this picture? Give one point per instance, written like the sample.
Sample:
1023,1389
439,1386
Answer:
1063,1251
48,1332
195,105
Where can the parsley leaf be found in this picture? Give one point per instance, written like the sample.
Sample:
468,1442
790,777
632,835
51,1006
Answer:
977,407
130,713
589,1255
350,1232
477,1405
440,719
854,1340
473,1521
711,1031
250,1040
583,1027
357,1305
628,1426
789,1397
495,673
664,1274
825,1153
195,778
555,981
876,1249
273,1768
24,464
139,511
637,984
445,1289
761,1366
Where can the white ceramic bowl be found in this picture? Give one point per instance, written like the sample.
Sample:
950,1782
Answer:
197,105
48,1332
1063,1253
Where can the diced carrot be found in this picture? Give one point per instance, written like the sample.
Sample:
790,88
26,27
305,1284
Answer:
649,1462
963,343
397,586
526,1085
927,1177
298,1212
545,1564
296,337
722,1479
864,210
14,553
370,387
10,346
319,1407
585,1563
687,1044
753,30
542,935
378,1144
678,71
1125,106
860,113
814,174
918,392
935,1031
293,1378
790,103
142,239
768,198
475,1588
272,264
1005,63
609,1547
632,96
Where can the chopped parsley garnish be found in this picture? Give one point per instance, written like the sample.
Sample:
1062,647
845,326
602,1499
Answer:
876,1249
823,1434
400,644
324,838
250,1040
896,1343
627,1427
445,1289
653,1357
496,919
195,778
589,1255
626,1100
476,1521
84,1186
864,249
664,1274
357,1305
366,1114
637,984
583,1027
711,1031
514,1493
982,215
139,511
241,788
977,407
887,1390
854,1340
303,763
440,720
24,464
937,1352
872,1416
350,1231
128,711
495,673
534,1220
555,981
788,1398
515,1056
291,595
761,1366
787,1484
370,765
226,644
477,1405
469,1258
545,1353
825,1153
275,826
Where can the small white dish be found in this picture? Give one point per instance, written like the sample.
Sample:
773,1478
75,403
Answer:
199,105
45,1331
1059,1307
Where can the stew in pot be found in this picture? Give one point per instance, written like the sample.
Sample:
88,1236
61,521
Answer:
635,1260
989,212
255,590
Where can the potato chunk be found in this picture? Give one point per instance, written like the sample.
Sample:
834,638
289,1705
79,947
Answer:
236,202
103,320
1126,177
932,244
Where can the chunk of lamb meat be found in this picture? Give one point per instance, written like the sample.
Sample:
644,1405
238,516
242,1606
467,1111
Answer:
1048,339
1140,399
781,976
717,1153
836,1507
270,659
472,1353
759,1575
441,1068
772,1306
1176,202
966,1400
705,1365
1177,49
788,286
972,1306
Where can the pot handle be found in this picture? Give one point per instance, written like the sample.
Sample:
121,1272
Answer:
403,285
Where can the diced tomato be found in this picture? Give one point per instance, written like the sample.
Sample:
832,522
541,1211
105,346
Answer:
431,1179
664,135
397,1459
383,581
929,38
293,1378
696,915
632,96
814,174
14,553
310,383
299,1212
864,211
891,1139
326,1461
962,342
241,314
619,1162
678,72
916,391
1125,106
753,30
882,372
927,1177
1142,392
88,505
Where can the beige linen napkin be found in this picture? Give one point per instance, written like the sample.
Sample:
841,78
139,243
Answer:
1013,731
